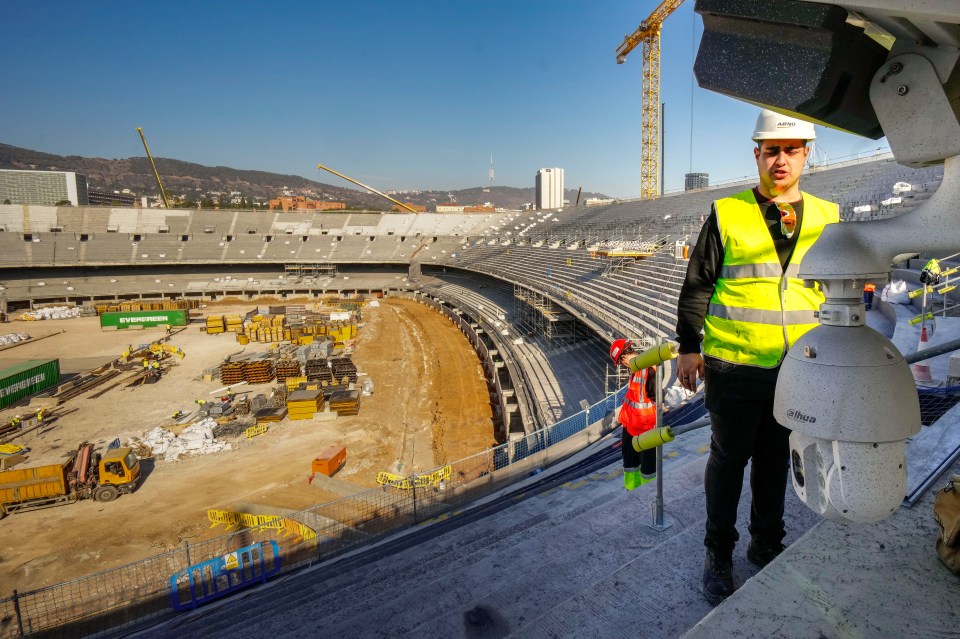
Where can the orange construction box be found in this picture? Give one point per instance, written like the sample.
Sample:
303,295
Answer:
330,461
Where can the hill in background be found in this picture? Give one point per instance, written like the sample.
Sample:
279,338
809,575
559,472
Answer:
195,182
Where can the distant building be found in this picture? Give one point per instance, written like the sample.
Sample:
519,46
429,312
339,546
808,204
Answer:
549,188
416,207
107,198
300,203
43,187
694,181
479,208
450,208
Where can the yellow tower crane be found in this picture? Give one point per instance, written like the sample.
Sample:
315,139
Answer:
649,34
156,174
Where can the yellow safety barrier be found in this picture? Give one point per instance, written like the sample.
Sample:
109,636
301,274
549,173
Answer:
417,481
301,532
919,318
253,431
289,527
267,522
397,481
229,519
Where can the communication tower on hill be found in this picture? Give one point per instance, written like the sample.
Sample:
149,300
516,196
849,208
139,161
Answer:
490,175
648,33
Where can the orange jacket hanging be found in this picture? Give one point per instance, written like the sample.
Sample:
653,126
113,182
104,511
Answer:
639,411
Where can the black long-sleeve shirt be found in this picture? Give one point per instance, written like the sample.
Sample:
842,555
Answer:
706,260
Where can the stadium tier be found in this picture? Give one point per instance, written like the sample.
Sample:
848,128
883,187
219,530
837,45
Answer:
582,258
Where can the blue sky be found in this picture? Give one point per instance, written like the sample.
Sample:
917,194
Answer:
399,95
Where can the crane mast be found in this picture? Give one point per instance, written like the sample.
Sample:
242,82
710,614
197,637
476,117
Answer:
648,33
163,194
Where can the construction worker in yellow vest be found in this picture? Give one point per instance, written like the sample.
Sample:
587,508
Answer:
743,292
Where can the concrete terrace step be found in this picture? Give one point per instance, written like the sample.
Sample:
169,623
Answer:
584,552
658,595
434,579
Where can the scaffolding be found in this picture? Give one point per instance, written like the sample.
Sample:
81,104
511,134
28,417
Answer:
310,270
541,318
616,377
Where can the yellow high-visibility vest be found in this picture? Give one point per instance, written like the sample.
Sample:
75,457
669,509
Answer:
758,309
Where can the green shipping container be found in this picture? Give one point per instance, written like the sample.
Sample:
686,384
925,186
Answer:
26,379
127,319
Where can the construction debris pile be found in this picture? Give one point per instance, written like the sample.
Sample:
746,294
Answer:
13,338
196,439
51,312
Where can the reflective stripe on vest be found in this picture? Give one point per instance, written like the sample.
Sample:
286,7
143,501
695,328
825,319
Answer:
638,413
758,308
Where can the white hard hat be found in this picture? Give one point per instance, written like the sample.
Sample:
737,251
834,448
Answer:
776,126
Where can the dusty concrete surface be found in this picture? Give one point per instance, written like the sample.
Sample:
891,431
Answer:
430,406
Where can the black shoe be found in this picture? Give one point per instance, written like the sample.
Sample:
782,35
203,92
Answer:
762,553
717,575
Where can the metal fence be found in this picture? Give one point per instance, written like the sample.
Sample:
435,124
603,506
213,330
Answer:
123,597
126,596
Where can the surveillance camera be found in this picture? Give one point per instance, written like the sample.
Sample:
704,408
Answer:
848,395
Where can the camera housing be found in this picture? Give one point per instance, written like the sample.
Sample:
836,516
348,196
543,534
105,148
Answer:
848,395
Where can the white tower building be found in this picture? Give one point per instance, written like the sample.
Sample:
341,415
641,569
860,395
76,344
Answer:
550,188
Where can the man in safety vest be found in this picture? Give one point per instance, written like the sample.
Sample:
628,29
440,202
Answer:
742,290
638,414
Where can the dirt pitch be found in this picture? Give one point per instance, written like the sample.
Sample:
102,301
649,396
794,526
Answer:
430,406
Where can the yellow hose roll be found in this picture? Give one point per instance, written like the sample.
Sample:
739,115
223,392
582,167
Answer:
652,439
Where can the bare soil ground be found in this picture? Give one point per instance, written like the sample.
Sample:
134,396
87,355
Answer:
430,406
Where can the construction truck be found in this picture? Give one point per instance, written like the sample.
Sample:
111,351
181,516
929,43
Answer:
86,475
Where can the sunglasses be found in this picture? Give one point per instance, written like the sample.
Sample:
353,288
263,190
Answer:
788,219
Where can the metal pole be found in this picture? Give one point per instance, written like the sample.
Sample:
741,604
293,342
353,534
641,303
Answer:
659,522
16,608
923,310
413,489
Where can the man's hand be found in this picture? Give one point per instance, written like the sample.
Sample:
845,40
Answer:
689,368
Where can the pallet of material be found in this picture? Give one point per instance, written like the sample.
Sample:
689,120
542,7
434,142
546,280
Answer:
215,324
285,368
279,397
292,383
258,371
303,404
330,389
231,373
267,415
317,370
345,402
343,366
233,323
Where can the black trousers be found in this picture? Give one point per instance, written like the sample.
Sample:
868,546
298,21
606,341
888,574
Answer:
740,402
645,462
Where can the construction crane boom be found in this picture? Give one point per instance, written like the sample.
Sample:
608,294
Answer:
369,188
163,194
648,33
